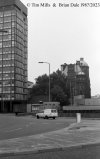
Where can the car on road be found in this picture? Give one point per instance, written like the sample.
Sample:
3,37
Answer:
47,113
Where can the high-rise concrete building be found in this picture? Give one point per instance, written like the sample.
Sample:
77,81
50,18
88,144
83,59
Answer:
78,80
13,54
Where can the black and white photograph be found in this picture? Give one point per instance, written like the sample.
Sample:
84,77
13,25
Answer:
49,79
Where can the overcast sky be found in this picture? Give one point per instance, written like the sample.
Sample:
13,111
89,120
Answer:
61,35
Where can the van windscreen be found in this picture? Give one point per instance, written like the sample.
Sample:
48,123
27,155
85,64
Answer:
53,111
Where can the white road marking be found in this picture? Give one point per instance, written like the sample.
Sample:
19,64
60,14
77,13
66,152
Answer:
13,130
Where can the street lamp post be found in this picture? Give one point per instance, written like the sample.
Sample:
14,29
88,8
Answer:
71,93
49,77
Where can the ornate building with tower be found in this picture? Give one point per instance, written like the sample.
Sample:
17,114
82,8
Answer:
78,80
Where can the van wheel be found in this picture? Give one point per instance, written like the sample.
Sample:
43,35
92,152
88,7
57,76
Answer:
37,117
53,117
46,117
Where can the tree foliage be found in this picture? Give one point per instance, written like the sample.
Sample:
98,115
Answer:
58,94
58,87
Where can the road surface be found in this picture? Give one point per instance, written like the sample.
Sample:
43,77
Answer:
12,126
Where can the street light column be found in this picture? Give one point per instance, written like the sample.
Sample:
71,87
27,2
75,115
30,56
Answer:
49,82
49,77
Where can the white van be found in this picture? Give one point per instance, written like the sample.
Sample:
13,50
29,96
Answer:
47,113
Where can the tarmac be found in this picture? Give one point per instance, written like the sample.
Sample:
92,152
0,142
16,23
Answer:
87,132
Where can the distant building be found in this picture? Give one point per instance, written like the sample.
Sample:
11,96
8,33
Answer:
13,54
78,79
30,84
96,96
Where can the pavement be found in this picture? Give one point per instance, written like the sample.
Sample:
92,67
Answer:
87,132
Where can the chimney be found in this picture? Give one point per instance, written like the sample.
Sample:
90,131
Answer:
81,59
